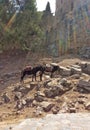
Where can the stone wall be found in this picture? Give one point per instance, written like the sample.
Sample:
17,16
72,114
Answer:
72,21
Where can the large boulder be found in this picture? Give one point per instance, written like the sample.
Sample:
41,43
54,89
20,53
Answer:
65,71
57,87
76,70
84,85
54,91
85,66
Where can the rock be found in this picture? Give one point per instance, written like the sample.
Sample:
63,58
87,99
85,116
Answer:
72,110
19,105
85,85
47,106
57,87
54,64
82,96
64,82
39,96
46,77
64,108
34,103
29,101
53,82
18,95
27,86
87,106
75,70
34,85
81,101
55,109
46,83
65,71
24,102
76,66
54,91
85,67
73,121
5,98
76,76
38,111
24,90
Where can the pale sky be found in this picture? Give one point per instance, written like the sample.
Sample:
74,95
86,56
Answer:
41,5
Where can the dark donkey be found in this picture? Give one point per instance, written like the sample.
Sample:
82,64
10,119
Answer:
33,71
52,68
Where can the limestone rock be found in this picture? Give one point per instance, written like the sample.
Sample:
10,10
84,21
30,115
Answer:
72,110
85,67
64,82
5,98
29,101
76,66
54,91
75,70
85,85
19,105
39,96
54,64
18,95
87,105
65,71
55,109
47,106
38,111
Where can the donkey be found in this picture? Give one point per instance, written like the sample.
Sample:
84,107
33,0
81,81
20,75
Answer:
52,69
33,71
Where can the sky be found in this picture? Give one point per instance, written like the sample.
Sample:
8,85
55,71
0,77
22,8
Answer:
41,5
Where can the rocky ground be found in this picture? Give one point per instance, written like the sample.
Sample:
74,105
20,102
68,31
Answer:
64,121
67,92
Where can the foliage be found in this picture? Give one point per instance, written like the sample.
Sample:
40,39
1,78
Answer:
24,30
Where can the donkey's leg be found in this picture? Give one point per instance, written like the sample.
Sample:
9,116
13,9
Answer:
22,76
41,74
51,74
35,77
32,77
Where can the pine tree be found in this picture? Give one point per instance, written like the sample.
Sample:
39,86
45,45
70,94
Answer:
48,9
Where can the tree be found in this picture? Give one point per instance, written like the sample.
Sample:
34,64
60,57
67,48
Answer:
25,28
48,9
47,17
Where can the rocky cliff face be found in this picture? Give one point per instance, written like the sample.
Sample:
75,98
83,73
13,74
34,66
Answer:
72,24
